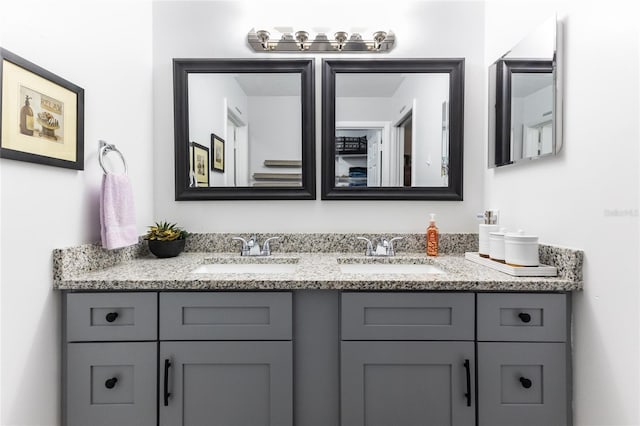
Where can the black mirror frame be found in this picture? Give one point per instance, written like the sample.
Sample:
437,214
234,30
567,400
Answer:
504,69
181,70
454,67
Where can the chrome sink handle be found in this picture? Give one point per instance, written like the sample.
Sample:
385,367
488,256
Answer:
369,251
245,246
266,247
390,249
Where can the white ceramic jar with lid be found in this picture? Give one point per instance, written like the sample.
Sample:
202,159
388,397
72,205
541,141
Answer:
483,238
496,245
521,249
490,219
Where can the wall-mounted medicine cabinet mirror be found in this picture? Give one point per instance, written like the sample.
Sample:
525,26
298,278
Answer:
525,98
244,129
392,129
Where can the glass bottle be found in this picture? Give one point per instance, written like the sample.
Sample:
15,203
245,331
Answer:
26,118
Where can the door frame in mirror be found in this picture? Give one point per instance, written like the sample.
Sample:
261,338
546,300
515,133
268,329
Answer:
505,68
452,66
181,70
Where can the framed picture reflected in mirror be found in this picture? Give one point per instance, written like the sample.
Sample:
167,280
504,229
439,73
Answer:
200,164
217,148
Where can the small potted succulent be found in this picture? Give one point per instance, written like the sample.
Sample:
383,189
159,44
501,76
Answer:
166,239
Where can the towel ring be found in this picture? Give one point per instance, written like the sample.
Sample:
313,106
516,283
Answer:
105,148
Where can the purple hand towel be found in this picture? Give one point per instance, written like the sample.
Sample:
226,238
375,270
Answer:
117,213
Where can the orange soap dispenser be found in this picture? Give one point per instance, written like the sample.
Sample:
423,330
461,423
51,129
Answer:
432,237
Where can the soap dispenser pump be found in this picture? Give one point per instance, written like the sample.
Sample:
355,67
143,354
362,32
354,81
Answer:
432,237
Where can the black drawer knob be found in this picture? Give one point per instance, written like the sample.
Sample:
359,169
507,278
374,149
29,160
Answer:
110,383
111,316
526,383
524,317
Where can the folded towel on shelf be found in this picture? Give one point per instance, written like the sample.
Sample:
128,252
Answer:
117,213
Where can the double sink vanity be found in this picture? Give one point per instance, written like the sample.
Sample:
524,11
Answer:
317,333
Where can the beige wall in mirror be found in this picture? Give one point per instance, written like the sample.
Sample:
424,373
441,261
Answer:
256,118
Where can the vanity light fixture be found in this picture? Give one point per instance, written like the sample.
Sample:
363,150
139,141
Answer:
341,38
378,38
263,37
302,37
301,41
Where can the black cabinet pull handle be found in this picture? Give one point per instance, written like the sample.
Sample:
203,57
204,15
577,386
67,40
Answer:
111,316
467,395
167,394
526,383
110,383
524,317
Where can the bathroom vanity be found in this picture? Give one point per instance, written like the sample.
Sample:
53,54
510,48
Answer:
149,341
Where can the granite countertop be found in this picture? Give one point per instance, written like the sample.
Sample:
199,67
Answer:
312,271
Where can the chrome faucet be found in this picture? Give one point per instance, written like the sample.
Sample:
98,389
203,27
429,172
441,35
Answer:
369,251
388,245
384,247
251,247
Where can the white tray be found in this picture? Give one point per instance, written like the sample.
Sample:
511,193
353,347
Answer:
516,271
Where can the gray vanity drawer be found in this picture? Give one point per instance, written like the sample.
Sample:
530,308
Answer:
111,384
522,384
522,317
408,316
111,316
225,316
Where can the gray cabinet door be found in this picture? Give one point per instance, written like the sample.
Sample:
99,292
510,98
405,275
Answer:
226,384
522,384
407,384
111,384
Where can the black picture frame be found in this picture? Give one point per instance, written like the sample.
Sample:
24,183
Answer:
505,68
181,70
217,147
454,67
52,117
200,171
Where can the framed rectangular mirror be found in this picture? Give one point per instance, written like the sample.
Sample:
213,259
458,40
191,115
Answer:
244,129
392,129
525,99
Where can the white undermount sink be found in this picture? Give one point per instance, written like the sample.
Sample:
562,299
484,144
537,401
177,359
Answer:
245,268
389,268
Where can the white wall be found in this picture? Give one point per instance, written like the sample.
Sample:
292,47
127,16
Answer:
586,196
218,30
429,92
363,109
103,47
274,131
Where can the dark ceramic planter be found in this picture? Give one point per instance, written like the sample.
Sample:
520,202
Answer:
165,249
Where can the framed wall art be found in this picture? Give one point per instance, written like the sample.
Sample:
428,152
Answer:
217,147
41,115
200,161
